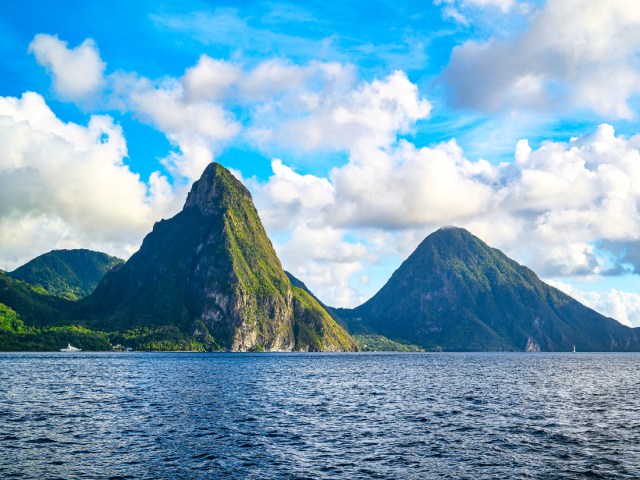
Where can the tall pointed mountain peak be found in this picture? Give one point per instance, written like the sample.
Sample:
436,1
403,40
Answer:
217,188
212,272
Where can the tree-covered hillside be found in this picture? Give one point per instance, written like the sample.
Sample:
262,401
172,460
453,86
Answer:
71,274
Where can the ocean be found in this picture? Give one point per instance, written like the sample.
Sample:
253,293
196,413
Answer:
319,416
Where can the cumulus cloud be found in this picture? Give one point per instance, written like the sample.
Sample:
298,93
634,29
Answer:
304,107
342,115
565,199
294,195
409,187
558,208
320,256
327,230
196,127
553,208
623,306
77,72
195,111
186,110
209,79
320,105
310,107
67,185
575,52
313,250
588,188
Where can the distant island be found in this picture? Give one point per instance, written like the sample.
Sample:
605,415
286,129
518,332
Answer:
208,279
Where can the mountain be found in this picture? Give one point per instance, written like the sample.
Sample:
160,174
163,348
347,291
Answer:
31,302
212,272
296,282
70,274
456,293
33,320
366,340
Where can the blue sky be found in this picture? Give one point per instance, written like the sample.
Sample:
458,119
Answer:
359,128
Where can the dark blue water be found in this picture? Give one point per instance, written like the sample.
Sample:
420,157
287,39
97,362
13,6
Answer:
319,416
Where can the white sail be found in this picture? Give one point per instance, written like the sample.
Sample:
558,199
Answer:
70,348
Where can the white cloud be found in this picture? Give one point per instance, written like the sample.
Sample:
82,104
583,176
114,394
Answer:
66,185
551,209
187,110
192,122
576,52
195,111
328,231
313,250
406,186
503,5
565,198
320,256
307,107
623,306
209,79
271,78
294,195
490,12
316,106
77,72
341,115
593,180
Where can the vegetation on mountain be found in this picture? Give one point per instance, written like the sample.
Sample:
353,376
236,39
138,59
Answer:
456,293
208,279
25,339
367,341
9,320
379,343
333,312
33,304
314,329
212,272
71,274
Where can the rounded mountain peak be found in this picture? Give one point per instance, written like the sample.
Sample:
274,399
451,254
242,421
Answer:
216,188
451,237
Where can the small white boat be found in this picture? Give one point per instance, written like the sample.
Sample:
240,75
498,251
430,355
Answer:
70,348
574,349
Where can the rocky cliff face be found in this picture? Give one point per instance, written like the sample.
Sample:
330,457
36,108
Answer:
457,293
212,271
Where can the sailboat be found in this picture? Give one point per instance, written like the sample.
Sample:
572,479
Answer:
574,348
70,348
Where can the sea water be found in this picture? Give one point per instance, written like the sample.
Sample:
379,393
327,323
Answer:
346,416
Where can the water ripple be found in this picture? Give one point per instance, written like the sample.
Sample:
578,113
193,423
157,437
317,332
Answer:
333,416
